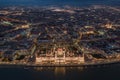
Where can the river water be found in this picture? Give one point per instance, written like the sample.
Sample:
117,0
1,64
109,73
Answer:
60,73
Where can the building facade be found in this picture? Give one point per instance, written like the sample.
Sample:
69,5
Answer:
59,56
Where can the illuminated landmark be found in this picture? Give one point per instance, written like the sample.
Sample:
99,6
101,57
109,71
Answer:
59,56
60,53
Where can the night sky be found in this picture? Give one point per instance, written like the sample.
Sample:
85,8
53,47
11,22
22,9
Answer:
58,2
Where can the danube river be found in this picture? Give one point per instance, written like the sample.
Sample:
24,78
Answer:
111,72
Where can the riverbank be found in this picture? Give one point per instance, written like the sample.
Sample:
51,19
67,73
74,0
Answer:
85,64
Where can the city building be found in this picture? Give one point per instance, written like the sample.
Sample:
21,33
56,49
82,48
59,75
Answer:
59,55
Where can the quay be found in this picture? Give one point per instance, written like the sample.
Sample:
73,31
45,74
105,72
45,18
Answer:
86,64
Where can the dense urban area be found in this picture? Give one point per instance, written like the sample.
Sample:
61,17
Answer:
29,33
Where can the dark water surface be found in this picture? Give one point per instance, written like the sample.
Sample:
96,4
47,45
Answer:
60,73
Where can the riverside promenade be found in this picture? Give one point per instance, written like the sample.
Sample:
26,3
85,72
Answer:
85,64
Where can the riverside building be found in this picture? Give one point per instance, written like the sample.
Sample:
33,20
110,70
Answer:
59,56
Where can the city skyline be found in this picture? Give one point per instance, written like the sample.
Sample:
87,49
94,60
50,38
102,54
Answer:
59,39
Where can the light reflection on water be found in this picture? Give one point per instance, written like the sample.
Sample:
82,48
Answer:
58,71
